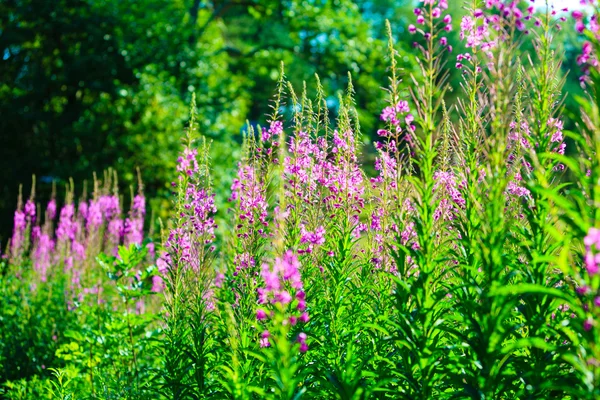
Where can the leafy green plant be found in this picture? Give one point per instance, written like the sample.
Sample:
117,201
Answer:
466,266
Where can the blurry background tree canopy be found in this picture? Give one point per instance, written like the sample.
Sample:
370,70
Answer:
91,84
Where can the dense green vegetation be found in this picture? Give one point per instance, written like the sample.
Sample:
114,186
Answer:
437,239
86,85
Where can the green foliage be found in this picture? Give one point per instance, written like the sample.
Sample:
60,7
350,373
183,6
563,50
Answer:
462,267
95,84
32,321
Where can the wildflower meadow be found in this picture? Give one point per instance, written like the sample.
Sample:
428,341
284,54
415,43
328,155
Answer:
456,258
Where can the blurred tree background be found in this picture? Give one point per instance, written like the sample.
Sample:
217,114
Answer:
91,84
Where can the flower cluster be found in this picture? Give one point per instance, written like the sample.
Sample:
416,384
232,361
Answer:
587,56
250,193
521,142
42,252
243,261
395,115
450,198
191,240
588,290
304,168
344,178
409,236
514,187
189,250
557,143
383,227
250,207
509,12
431,11
400,129
275,130
19,234
282,298
311,238
103,214
315,173
587,59
592,251
67,226
483,30
81,232
474,30
133,226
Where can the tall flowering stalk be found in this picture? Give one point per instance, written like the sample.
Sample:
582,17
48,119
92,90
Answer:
43,241
588,291
189,243
24,218
491,32
432,25
574,249
303,177
588,26
389,189
111,210
533,146
478,187
252,215
133,226
504,168
419,313
188,270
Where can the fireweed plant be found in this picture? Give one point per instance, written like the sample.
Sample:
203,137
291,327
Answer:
77,282
466,267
